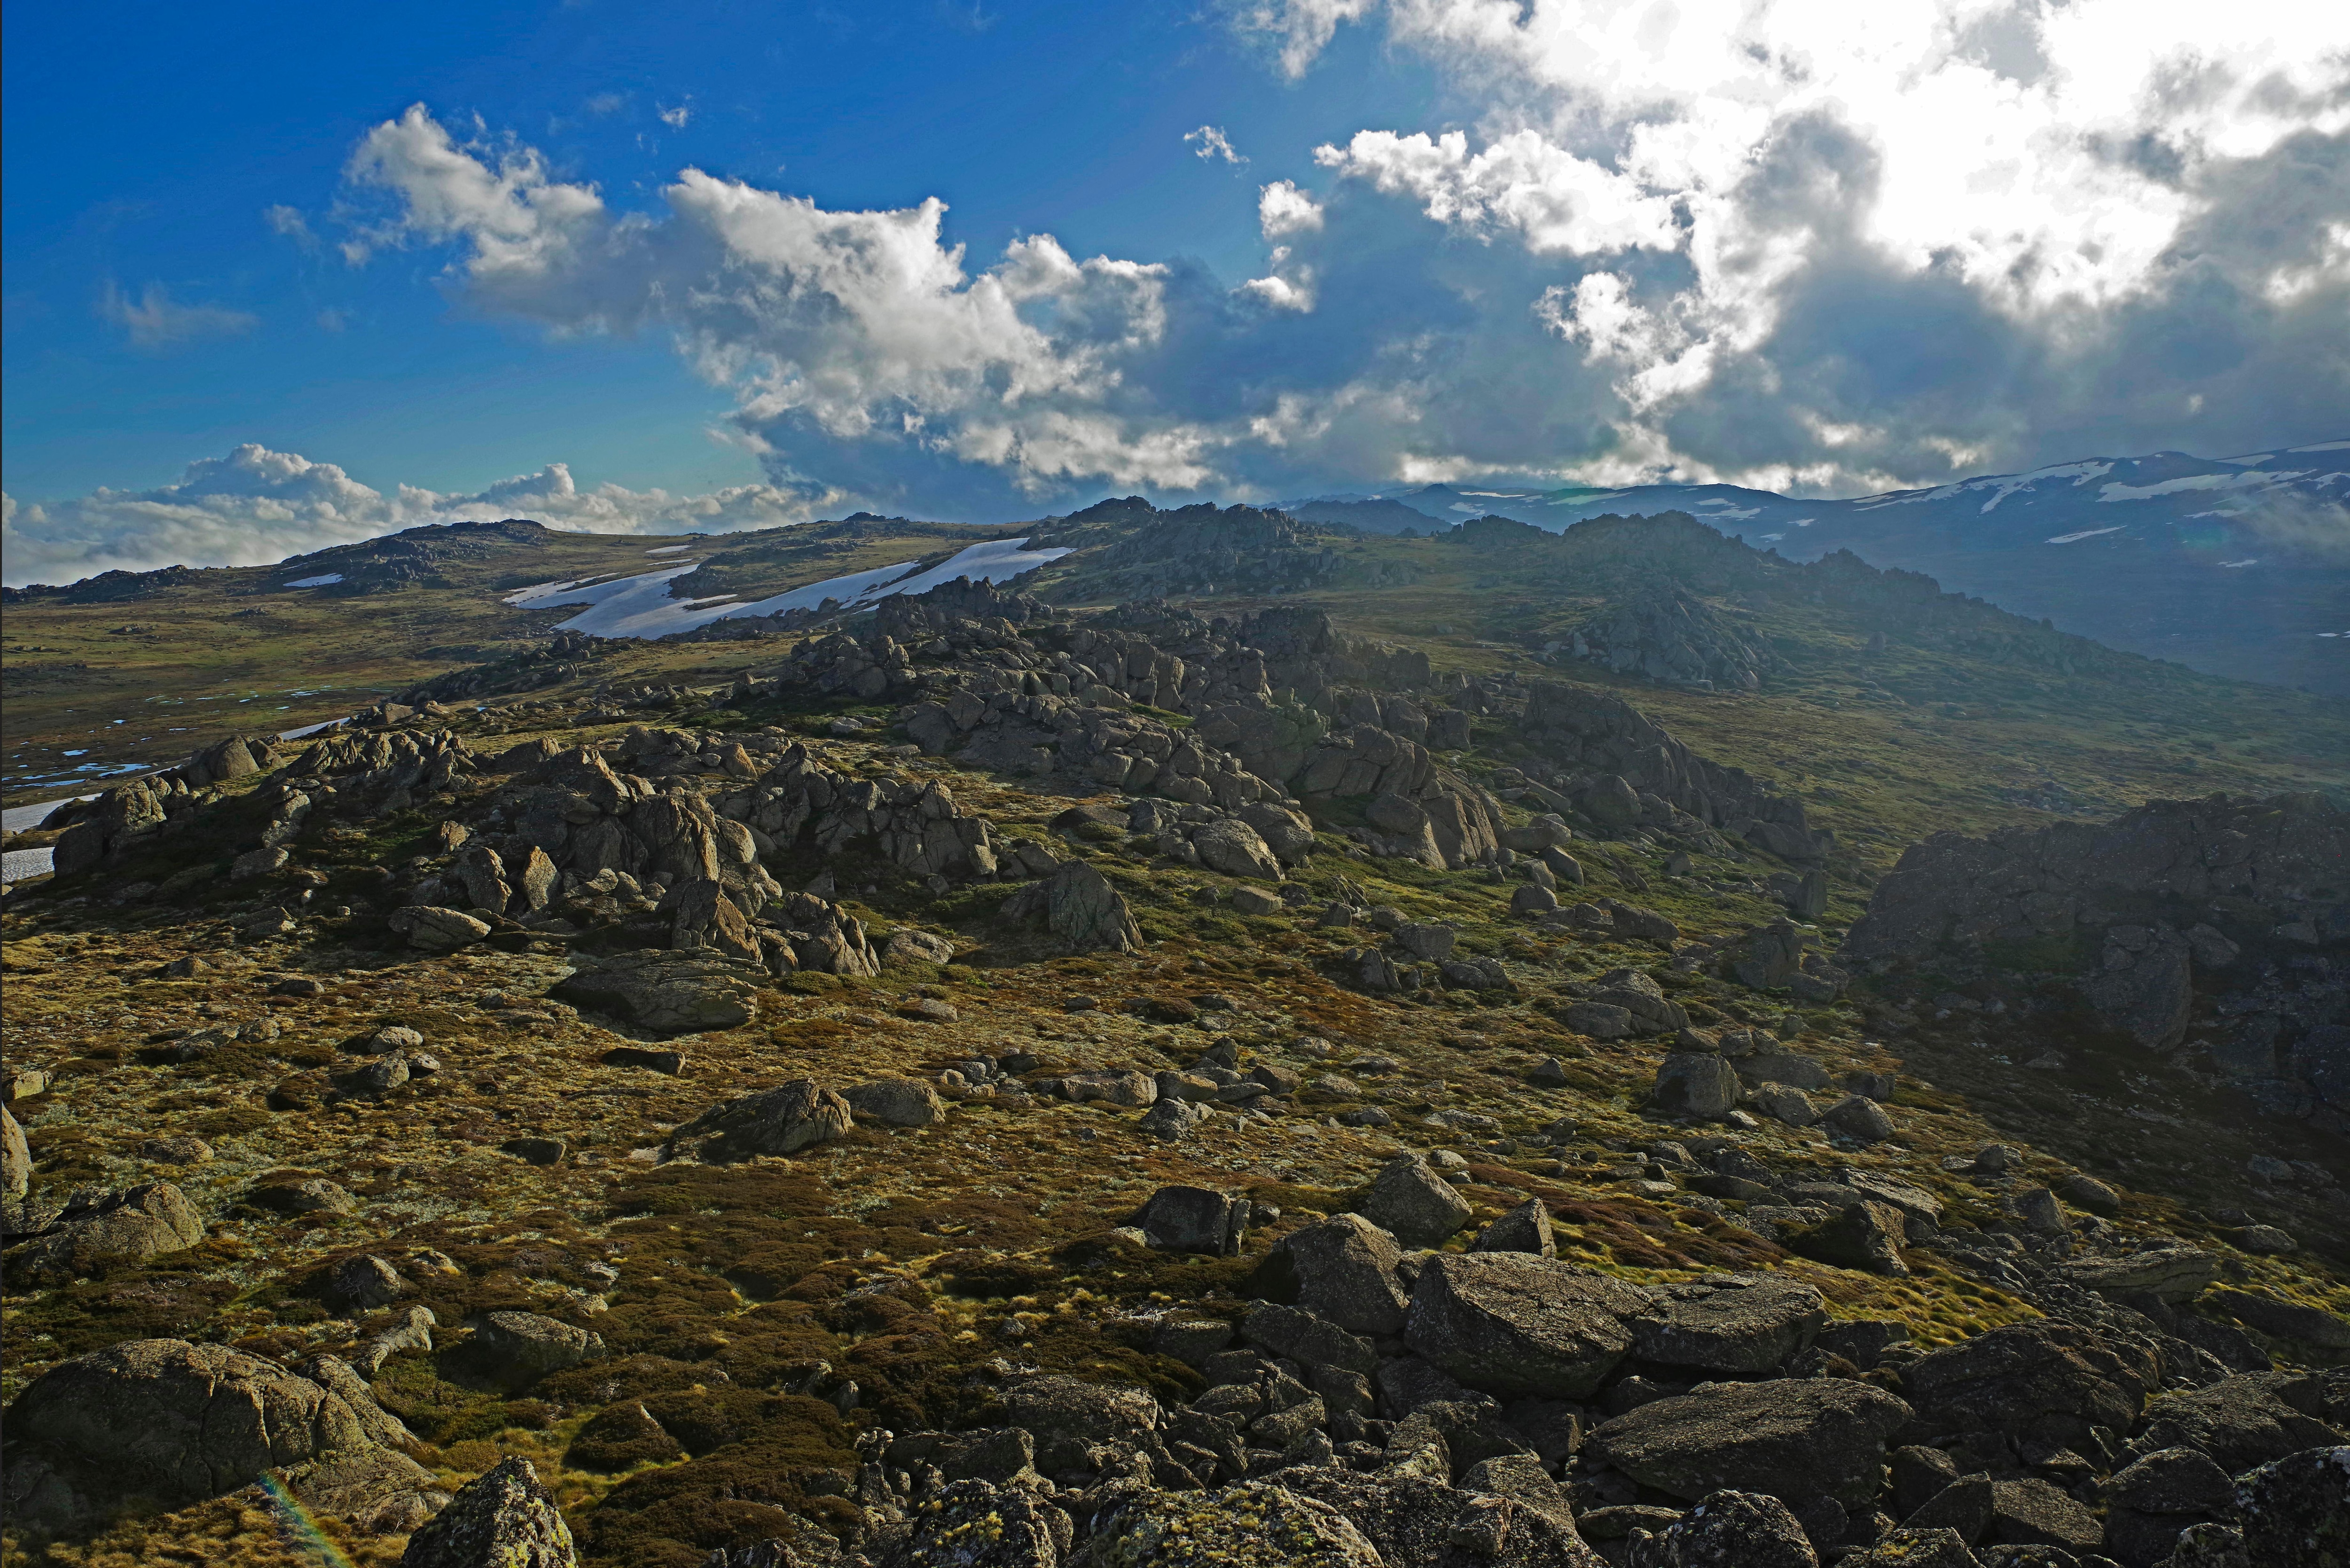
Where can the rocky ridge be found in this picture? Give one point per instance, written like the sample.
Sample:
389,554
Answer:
1411,1199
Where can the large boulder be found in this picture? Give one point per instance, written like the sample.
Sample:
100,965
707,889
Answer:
1232,846
2243,1421
2297,1510
1739,1530
502,1518
1254,1522
437,930
779,1121
2046,1381
1081,908
178,1422
1518,1325
1696,1085
1195,1220
669,992
1415,1205
895,1103
1342,1269
1794,1438
2166,1273
521,1347
99,1229
1067,1417
1748,1324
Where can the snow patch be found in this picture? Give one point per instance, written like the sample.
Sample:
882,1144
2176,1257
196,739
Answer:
24,818
2240,480
2085,534
669,549
2247,561
641,607
15,865
2323,446
318,582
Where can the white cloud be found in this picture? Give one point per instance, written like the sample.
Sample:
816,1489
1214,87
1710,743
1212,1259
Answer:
1282,209
255,506
1521,183
156,321
857,326
290,223
1296,30
2056,172
1209,142
676,116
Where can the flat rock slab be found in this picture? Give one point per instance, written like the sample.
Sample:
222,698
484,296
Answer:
1794,1438
1516,1325
1747,1327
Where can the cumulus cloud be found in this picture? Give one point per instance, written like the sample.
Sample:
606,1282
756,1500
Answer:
254,506
1843,245
845,327
676,116
289,222
1808,245
157,323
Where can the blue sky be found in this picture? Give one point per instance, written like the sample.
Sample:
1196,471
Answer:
1064,119
281,277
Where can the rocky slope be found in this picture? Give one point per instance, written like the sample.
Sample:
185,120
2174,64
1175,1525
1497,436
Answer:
1007,1082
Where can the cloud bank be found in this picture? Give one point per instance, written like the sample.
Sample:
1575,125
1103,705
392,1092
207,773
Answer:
255,506
1799,245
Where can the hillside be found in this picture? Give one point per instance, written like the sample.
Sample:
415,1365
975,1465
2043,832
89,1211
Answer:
1242,1040
2237,567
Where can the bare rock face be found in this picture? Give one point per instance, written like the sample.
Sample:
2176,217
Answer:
178,1422
1514,1324
500,1519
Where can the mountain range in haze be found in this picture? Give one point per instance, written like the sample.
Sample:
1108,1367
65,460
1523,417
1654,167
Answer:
2236,566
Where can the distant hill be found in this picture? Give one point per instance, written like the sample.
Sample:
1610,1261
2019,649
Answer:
2237,567
1373,514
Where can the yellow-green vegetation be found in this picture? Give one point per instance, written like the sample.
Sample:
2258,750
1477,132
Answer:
757,1317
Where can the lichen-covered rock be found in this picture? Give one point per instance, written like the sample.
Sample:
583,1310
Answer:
1343,1269
437,930
1525,1229
1256,1524
177,1422
1514,1324
502,1518
1739,1530
1795,1438
2295,1512
2241,1421
1749,1325
1081,908
1415,1205
669,993
97,1229
895,1103
1699,1086
2047,1381
779,1121
522,1347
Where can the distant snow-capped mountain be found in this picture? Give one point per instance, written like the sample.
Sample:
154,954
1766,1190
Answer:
2236,565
